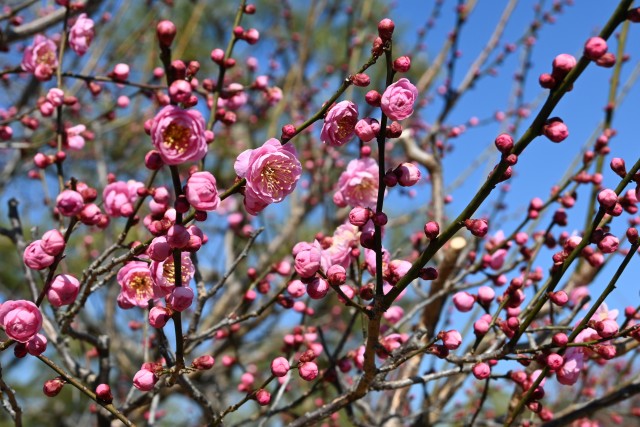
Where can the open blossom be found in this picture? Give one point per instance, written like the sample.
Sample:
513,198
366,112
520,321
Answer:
21,319
119,197
358,184
41,58
271,171
569,373
201,191
344,239
81,34
398,99
136,286
339,124
179,135
163,274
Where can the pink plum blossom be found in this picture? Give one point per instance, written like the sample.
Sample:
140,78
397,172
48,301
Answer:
35,257
398,99
358,184
179,135
75,140
21,319
136,286
163,274
41,58
339,124
69,203
63,290
144,380
367,129
119,197
81,34
201,191
271,171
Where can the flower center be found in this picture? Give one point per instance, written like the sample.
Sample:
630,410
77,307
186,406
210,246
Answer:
345,127
169,273
176,137
277,177
141,284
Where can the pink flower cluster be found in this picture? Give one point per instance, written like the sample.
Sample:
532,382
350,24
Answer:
81,34
271,172
119,197
40,254
358,184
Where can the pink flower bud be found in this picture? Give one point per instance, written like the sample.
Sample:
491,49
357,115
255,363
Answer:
317,288
559,298
37,345
180,298
337,275
52,242
486,294
203,362
560,339
554,361
547,81
121,71
607,328
555,130
481,371
166,32
477,227
607,60
180,91
632,235
385,28
562,64
504,143
69,203
308,371
359,216
63,290
608,244
35,257
402,64
159,316
307,262
251,36
103,392
367,129
144,380
263,397
618,166
431,230
217,56
159,249
52,387
607,198
296,288
153,160
177,236
451,339
463,301
408,174
280,366
360,80
373,98
595,47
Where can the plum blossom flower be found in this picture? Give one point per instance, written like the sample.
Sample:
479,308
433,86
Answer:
136,286
201,191
339,124
21,319
398,99
41,58
36,257
271,171
358,184
163,274
63,290
344,239
81,34
179,135
569,373
119,197
75,140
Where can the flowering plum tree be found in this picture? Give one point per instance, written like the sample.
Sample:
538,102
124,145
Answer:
265,233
